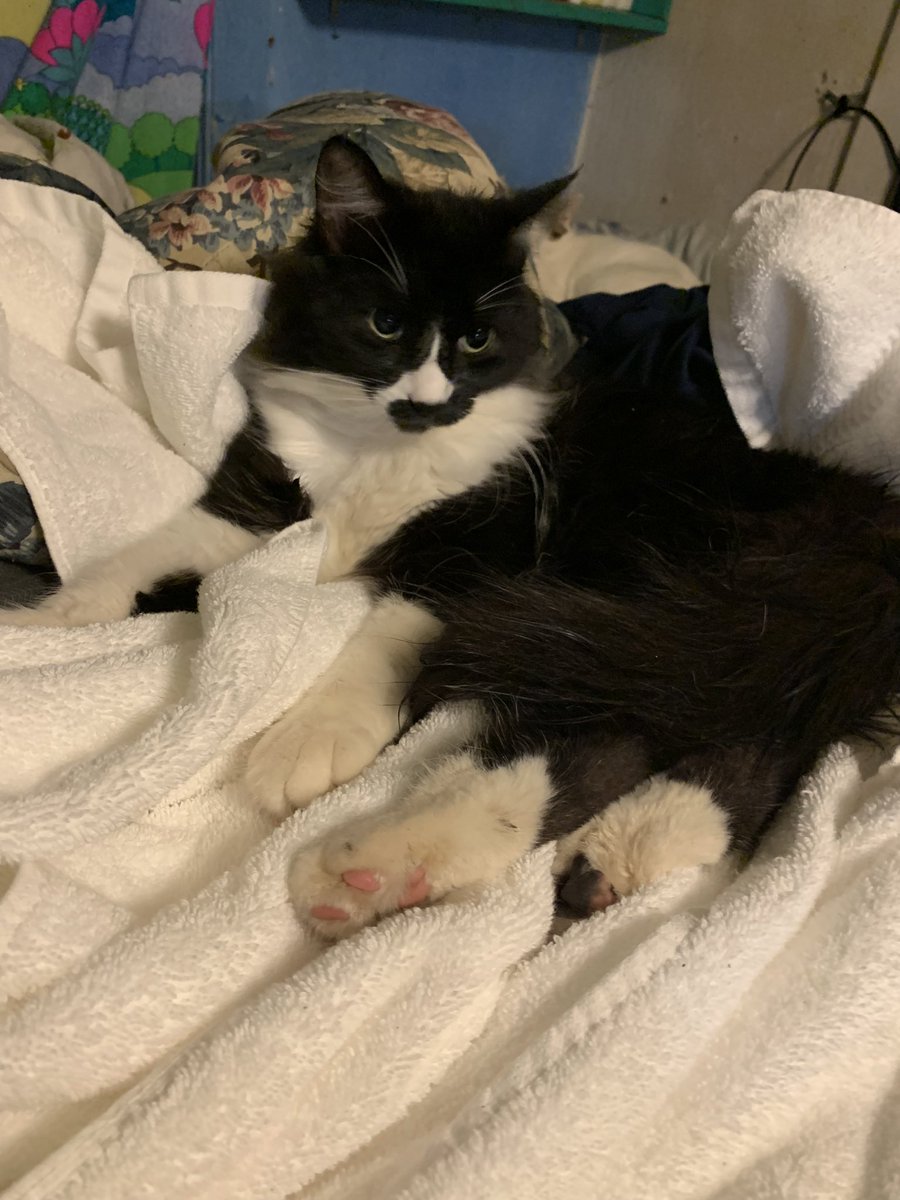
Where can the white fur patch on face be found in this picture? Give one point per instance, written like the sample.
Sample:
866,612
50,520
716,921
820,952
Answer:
426,384
663,825
366,477
375,493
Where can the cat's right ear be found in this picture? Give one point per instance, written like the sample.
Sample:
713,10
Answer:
349,191
543,211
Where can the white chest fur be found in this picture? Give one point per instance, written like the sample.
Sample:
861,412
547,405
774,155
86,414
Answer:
367,478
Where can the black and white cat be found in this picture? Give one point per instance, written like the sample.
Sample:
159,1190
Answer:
659,629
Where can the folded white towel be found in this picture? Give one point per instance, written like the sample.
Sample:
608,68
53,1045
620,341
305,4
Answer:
805,319
189,328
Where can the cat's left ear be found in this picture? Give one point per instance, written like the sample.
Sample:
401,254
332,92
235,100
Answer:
542,211
349,191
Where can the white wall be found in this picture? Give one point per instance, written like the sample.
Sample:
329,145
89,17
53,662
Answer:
866,171
684,127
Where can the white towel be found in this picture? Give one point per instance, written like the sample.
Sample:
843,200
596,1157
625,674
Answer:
169,1030
805,318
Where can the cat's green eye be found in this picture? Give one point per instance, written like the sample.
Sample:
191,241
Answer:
386,324
477,340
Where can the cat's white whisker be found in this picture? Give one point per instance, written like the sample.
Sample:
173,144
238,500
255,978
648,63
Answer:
399,279
359,258
505,285
398,266
326,378
534,468
504,304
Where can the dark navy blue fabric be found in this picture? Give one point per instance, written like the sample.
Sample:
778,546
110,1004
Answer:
658,337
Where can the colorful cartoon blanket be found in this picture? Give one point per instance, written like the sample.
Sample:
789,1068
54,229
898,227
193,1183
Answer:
126,76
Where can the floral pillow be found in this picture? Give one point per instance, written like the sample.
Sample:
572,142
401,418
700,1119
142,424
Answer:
262,196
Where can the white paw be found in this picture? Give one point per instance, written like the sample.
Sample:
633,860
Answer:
73,605
463,825
356,879
316,746
664,825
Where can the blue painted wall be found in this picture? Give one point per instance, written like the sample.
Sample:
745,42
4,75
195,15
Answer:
518,84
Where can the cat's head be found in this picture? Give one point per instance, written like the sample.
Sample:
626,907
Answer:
403,307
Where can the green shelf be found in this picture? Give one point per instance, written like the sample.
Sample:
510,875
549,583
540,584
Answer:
649,16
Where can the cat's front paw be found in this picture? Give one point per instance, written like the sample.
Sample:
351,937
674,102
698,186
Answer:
72,606
317,745
663,825
354,881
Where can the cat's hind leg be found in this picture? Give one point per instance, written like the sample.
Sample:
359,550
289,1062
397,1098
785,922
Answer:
465,823
691,815
480,810
661,826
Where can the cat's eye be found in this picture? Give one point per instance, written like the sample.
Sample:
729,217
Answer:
477,340
386,324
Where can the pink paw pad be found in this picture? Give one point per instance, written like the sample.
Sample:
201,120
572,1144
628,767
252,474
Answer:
363,881
417,889
328,912
415,892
